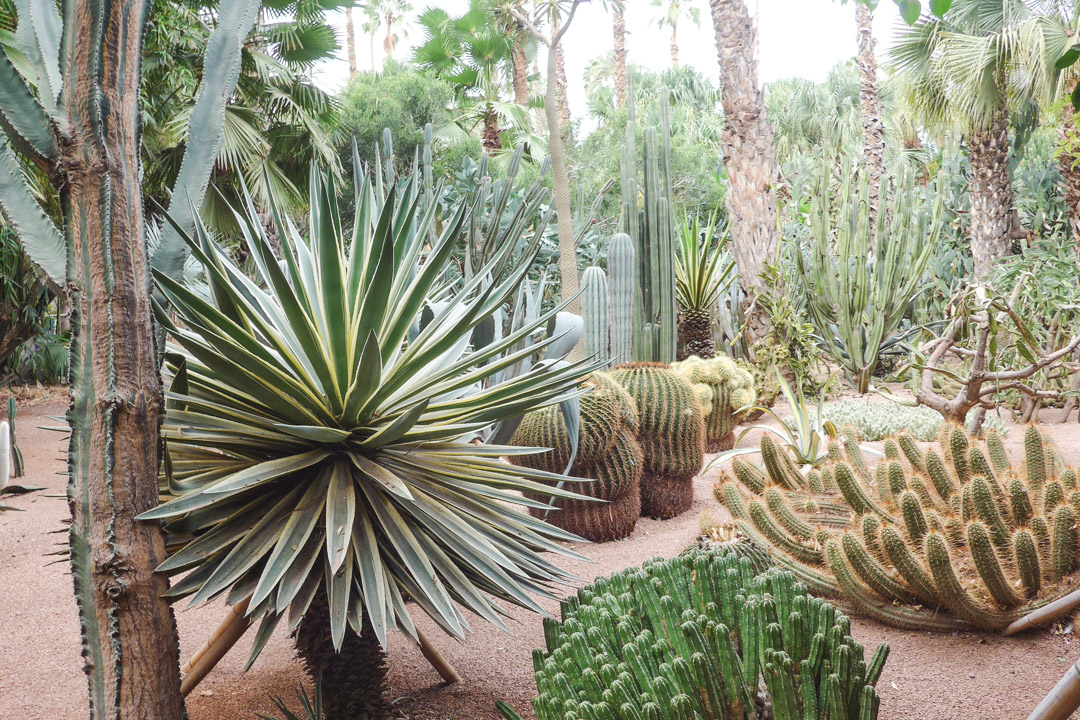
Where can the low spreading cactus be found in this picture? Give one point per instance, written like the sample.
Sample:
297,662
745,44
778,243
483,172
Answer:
877,421
723,389
671,430
608,454
700,637
951,537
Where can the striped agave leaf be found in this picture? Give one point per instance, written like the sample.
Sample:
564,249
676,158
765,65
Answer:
318,416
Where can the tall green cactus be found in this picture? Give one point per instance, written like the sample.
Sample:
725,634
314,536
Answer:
608,454
77,119
671,428
697,637
947,537
622,269
594,311
652,230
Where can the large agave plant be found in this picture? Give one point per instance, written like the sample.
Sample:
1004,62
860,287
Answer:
319,419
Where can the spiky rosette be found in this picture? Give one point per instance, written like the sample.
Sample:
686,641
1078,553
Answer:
319,418
956,536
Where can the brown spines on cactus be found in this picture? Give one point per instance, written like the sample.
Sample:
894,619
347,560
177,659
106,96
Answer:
671,430
354,677
608,454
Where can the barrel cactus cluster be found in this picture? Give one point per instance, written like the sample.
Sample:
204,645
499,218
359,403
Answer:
724,388
671,430
954,536
702,637
608,455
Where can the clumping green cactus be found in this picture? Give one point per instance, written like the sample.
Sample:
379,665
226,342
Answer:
608,454
594,311
725,388
701,637
671,429
961,537
880,420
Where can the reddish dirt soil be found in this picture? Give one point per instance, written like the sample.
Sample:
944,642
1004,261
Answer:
928,676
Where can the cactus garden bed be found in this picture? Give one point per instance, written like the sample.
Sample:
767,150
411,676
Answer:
929,676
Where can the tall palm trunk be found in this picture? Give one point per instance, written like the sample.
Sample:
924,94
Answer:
747,141
618,29
991,193
350,42
492,141
1069,167
873,154
130,649
521,70
674,44
560,79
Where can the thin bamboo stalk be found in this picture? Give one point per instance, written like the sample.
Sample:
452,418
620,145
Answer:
433,656
1063,700
231,629
1048,612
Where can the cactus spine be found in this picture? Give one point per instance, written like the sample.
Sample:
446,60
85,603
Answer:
726,388
622,269
594,310
671,430
970,552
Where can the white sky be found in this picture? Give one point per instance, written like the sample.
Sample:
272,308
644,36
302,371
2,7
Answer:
798,38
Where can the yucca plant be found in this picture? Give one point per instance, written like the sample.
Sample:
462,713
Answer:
702,272
317,431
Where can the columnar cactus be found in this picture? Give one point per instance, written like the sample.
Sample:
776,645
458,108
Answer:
699,636
608,454
727,387
623,273
671,429
594,311
954,536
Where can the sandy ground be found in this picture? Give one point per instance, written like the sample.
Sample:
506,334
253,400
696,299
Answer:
928,677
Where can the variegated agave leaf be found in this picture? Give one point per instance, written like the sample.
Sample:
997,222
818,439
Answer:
315,425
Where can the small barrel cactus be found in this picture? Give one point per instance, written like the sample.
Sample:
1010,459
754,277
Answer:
608,454
725,388
671,429
945,538
701,636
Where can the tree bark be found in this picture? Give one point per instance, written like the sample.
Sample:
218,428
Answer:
350,42
492,141
618,27
747,142
674,45
560,81
1069,167
991,194
873,152
521,70
130,647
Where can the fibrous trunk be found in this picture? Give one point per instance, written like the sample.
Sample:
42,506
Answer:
697,334
521,70
991,193
130,646
674,47
350,42
873,153
560,86
492,141
747,141
618,27
1069,167
564,212
354,677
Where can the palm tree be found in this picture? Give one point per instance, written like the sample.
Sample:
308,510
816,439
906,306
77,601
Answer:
968,69
749,157
873,128
672,11
392,15
350,41
618,28
370,25
561,97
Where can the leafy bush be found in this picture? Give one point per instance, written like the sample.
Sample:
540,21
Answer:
700,636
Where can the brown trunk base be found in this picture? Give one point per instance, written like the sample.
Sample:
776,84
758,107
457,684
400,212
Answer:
665,497
596,521
720,444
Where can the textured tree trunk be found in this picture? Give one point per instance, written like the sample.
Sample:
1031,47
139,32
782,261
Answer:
350,42
539,88
521,70
390,41
564,211
130,646
560,87
674,45
1069,167
873,154
747,141
991,194
618,28
492,141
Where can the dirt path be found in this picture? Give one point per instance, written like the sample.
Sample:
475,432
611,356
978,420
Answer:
928,677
